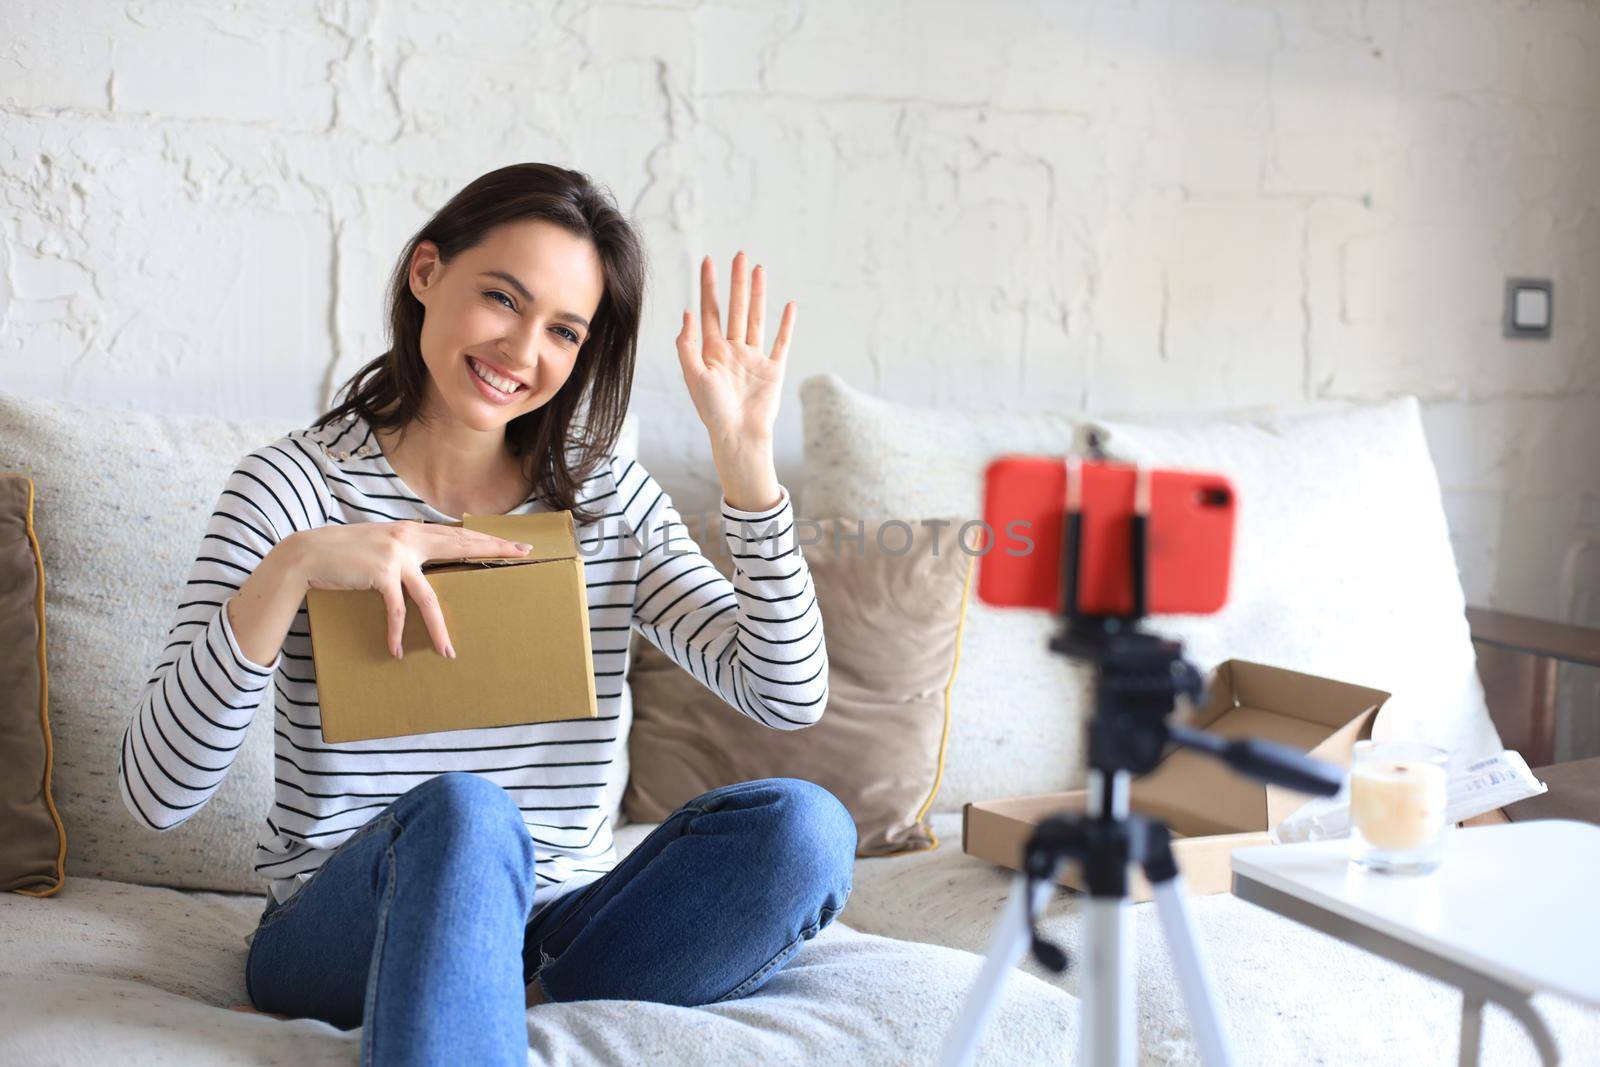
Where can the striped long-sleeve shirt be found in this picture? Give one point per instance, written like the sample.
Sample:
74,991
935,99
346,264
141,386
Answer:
757,641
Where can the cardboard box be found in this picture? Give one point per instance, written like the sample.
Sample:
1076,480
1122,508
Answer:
520,627
1210,808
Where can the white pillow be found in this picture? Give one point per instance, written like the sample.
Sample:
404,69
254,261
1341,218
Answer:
1343,565
1342,559
121,503
1016,708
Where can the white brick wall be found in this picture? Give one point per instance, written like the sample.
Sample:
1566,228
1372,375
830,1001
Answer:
1129,206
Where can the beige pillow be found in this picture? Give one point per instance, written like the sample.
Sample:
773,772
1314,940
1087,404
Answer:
892,621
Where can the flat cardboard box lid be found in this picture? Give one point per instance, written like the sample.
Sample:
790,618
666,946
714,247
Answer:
1322,717
551,534
520,627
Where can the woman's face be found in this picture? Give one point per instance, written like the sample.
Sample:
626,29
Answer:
518,306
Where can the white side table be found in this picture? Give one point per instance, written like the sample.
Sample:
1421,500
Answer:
1509,913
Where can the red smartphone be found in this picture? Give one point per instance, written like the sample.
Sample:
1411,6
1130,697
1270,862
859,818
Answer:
1189,537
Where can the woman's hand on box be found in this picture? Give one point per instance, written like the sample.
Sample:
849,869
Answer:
388,557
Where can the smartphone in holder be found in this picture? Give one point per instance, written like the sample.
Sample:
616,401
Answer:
1189,537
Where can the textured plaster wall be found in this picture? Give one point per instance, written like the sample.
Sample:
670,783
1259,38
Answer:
1120,206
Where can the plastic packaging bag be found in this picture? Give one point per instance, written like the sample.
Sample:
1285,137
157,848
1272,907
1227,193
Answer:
1489,783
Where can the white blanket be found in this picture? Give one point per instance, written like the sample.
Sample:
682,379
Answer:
108,972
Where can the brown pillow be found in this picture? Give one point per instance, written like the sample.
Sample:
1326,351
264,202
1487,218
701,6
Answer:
892,621
33,843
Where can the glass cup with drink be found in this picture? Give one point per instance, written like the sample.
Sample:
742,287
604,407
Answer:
1397,806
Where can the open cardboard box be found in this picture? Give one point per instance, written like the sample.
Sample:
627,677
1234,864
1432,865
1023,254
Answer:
1210,809
520,627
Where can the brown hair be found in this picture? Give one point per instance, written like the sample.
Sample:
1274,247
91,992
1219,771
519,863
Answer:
559,452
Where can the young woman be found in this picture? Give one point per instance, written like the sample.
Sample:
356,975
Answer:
431,887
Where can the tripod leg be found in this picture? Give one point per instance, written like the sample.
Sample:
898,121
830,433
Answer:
1173,905
1106,985
1006,946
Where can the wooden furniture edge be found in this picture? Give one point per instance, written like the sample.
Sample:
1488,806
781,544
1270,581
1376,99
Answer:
1488,818
1537,637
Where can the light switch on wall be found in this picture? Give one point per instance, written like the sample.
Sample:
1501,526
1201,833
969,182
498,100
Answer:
1530,307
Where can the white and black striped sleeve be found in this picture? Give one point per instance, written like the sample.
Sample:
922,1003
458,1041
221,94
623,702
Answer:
197,705
756,641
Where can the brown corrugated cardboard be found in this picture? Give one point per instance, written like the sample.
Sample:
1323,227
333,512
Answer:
1210,809
519,625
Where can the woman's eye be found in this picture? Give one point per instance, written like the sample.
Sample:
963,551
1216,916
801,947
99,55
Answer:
506,301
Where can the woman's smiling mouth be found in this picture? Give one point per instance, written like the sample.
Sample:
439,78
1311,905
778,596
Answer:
492,385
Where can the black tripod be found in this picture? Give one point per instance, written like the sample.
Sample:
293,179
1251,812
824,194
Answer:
1139,677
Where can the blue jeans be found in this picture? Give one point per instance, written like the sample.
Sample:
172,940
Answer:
418,926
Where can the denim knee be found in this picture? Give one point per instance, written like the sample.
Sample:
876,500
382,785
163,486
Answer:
816,824
469,809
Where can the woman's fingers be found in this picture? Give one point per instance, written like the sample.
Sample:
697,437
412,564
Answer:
689,348
469,543
492,544
427,601
738,301
453,542
758,307
780,347
710,318
747,309
394,604
458,542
